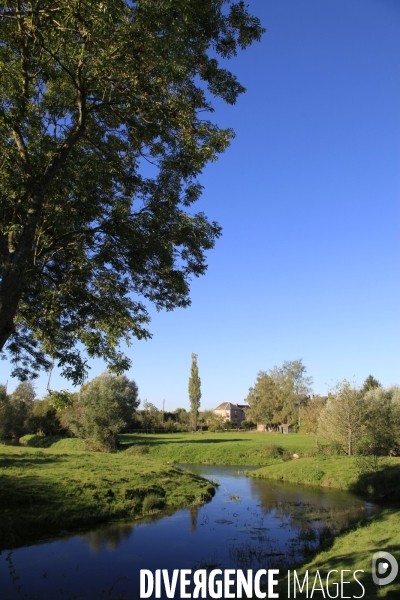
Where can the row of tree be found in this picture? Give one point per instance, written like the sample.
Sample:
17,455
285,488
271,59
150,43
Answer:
101,409
359,420
97,413
363,420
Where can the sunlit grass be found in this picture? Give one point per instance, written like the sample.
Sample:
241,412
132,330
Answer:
236,448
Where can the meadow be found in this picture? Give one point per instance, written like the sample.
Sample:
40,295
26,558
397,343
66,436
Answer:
50,486
225,448
57,489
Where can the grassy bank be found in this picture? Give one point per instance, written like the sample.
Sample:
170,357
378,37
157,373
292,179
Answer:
45,491
236,448
340,472
353,550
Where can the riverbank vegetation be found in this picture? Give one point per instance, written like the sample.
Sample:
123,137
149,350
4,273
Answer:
54,490
353,550
346,473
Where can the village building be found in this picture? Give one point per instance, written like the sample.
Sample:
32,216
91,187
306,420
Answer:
232,412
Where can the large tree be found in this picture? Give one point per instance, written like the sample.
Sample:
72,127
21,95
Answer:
104,406
104,128
343,419
194,389
263,400
278,392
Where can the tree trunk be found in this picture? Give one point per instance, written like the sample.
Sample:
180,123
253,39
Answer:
10,295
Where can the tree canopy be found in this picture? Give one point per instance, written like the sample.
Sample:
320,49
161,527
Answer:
104,129
104,406
272,399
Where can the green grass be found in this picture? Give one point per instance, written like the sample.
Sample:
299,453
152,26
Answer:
236,448
45,491
56,443
339,472
354,550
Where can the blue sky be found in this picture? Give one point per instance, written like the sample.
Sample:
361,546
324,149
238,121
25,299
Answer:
308,198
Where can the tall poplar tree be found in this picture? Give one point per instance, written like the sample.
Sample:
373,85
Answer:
194,392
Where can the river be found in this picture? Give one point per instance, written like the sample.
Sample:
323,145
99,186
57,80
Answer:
249,524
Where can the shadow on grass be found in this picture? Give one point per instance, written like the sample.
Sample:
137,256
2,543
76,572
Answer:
128,439
381,485
26,460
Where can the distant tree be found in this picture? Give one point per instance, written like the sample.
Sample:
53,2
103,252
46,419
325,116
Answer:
310,414
44,419
25,392
293,388
14,409
247,424
277,392
263,400
370,383
216,423
105,405
194,392
343,419
382,431
182,416
151,416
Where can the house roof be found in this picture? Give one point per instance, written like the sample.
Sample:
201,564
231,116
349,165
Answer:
230,406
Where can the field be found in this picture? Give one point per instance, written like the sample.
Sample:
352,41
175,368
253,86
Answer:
45,491
62,487
226,448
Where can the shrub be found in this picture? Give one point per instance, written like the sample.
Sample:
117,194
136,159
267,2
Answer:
138,449
273,451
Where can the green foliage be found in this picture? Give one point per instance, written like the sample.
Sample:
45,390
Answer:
276,393
44,419
369,384
310,414
228,424
366,423
14,409
274,451
343,417
91,94
61,399
382,422
194,388
216,423
25,392
104,406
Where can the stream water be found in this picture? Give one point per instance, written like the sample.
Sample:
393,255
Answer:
249,524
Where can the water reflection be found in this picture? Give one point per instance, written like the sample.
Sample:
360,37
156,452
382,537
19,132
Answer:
250,523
